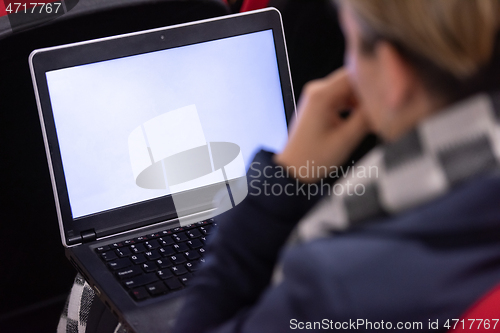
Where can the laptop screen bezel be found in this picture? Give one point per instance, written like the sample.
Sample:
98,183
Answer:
152,211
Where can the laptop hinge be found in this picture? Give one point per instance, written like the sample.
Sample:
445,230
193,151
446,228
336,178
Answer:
88,236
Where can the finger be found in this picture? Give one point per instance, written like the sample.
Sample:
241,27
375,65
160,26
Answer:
340,92
333,91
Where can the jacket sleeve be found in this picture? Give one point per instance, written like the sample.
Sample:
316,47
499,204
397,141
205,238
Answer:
243,252
308,292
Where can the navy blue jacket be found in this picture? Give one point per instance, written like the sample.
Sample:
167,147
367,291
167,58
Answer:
429,263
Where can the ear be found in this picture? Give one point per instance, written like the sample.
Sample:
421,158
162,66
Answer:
397,76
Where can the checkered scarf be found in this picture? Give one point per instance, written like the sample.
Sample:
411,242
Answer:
445,150
77,309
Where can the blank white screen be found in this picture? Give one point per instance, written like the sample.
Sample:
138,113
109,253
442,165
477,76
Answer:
234,83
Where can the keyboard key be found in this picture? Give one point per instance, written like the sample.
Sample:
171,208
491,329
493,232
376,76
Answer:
194,233
149,267
128,272
203,239
152,255
185,279
201,251
180,237
123,252
101,249
178,259
191,266
165,233
181,247
140,280
164,274
173,283
163,263
206,230
117,245
152,244
167,251
119,264
139,293
201,223
178,229
138,259
156,288
108,255
137,248
195,243
192,255
155,235
179,270
129,242
141,239
166,241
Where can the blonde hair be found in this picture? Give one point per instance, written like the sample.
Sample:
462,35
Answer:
455,36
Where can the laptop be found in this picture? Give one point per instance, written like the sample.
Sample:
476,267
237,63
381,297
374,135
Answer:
148,136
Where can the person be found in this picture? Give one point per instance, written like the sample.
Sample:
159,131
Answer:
408,246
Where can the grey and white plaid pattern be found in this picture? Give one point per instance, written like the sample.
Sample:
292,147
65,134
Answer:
77,309
444,151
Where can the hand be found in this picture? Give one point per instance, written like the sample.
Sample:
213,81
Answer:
319,135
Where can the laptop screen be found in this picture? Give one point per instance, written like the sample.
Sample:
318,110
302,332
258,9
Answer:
104,110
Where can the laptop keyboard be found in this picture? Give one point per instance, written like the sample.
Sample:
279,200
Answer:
159,263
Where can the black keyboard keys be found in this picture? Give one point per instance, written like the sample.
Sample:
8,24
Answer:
194,233
191,267
192,255
164,263
123,252
157,263
128,272
178,259
156,288
139,293
180,237
108,255
138,259
101,249
179,270
181,247
152,255
185,279
137,248
140,280
206,230
152,244
173,283
149,267
166,251
164,274
166,241
119,264
195,243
